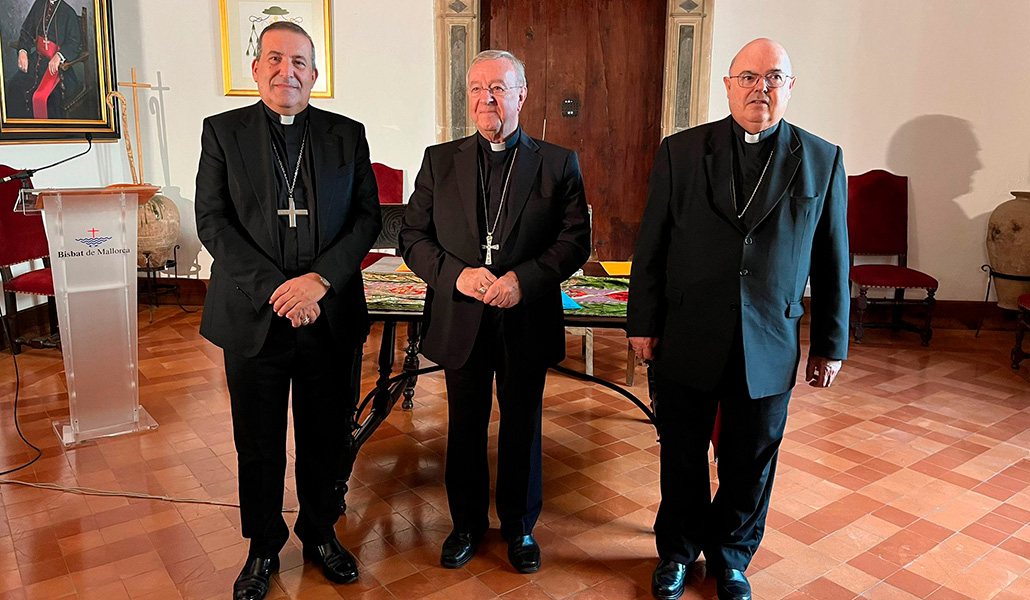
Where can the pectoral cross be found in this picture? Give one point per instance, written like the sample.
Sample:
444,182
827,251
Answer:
46,44
292,213
490,245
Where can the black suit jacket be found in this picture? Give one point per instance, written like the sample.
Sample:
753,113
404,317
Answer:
544,239
697,271
236,221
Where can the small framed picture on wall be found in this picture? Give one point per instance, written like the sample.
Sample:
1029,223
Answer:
242,22
56,70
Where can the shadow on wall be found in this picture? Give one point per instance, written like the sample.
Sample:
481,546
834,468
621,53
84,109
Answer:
940,154
189,243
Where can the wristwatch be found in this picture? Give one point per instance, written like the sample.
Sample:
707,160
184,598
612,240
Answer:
325,282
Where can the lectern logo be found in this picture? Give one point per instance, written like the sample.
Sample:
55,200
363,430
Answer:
93,241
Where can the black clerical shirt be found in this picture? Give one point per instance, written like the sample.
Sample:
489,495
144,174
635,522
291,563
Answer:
748,161
298,245
494,167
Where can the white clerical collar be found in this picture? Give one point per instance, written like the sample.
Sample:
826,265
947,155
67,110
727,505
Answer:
752,138
498,147
287,119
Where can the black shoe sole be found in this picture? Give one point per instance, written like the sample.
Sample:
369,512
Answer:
341,580
350,578
666,596
457,564
527,571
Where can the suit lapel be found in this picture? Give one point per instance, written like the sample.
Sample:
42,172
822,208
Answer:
466,169
785,162
253,140
523,175
327,164
719,167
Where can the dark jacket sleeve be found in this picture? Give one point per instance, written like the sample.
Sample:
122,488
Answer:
422,253
571,249
27,33
341,259
646,309
222,233
831,293
70,38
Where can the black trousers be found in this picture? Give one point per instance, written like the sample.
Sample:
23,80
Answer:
259,388
520,389
729,527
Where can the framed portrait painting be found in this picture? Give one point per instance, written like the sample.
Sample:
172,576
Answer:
242,23
56,69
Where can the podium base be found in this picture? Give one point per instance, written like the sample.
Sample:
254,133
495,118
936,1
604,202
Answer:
70,438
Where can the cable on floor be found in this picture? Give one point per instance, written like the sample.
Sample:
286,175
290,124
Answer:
17,389
84,491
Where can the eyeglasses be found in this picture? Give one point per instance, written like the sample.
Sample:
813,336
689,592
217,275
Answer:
773,80
493,90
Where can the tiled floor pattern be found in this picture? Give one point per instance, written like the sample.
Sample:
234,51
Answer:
910,478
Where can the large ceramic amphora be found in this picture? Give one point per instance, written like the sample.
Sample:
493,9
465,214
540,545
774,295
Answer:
1008,248
158,230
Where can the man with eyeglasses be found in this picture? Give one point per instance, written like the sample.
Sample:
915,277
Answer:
497,221
740,214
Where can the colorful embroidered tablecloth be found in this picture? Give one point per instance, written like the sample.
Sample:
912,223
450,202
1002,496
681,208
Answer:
598,296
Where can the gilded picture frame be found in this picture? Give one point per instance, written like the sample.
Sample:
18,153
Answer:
56,70
242,22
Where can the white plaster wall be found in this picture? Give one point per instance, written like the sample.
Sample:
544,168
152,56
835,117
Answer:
383,72
933,89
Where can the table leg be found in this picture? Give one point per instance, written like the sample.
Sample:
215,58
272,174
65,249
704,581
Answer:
381,401
411,363
349,451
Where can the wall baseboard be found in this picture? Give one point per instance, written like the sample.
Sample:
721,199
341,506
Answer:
949,314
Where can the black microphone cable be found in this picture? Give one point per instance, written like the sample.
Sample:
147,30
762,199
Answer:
27,173
17,389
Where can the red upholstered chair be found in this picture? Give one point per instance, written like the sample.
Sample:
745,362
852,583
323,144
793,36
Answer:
391,202
390,182
22,239
1022,325
878,226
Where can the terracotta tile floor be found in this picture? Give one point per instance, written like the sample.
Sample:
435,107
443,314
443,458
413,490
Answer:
908,479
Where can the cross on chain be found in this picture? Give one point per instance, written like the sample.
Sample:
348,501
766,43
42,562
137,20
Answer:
489,246
293,213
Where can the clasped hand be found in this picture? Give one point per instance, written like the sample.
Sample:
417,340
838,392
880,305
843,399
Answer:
481,284
297,299
644,347
821,371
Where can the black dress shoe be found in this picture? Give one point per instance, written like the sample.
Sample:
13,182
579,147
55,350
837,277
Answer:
252,583
669,580
524,554
731,584
337,564
458,549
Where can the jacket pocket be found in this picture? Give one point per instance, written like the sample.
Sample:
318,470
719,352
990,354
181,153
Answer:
673,296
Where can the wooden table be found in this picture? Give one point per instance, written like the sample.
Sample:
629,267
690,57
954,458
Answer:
398,297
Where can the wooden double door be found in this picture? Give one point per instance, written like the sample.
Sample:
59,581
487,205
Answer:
594,71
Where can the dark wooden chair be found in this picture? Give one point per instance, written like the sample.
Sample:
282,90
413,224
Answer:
1022,325
878,226
391,203
22,239
72,100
